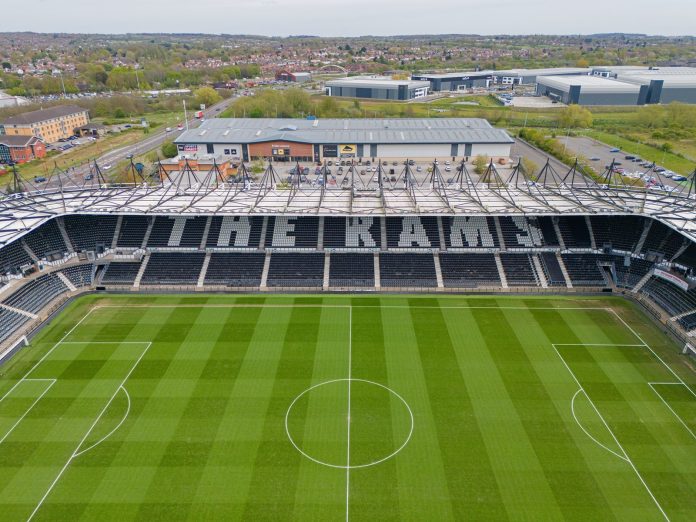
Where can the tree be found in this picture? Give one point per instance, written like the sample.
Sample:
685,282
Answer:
169,149
530,167
206,96
574,116
480,164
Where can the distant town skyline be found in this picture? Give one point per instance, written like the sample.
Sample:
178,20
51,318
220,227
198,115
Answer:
359,17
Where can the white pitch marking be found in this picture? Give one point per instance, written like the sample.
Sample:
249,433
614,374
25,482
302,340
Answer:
669,407
51,381
628,459
113,430
350,379
572,409
74,453
652,351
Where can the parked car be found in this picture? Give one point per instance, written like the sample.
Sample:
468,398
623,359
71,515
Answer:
614,150
39,179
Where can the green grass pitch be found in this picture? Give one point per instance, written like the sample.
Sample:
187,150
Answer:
348,408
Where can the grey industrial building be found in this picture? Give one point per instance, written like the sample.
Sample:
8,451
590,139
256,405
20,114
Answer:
591,90
456,81
377,88
665,86
315,140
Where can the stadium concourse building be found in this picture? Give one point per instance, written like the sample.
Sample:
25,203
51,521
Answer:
316,140
377,88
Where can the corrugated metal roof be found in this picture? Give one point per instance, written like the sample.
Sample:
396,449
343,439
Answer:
385,131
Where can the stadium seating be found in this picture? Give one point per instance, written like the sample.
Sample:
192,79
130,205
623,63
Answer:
617,232
12,257
548,231
520,232
673,299
470,232
235,269
132,231
352,232
688,321
662,239
296,270
46,241
583,270
192,234
574,231
120,273
10,322
552,269
88,232
469,270
407,270
37,293
235,231
173,269
80,275
518,270
412,232
348,270
292,232
162,231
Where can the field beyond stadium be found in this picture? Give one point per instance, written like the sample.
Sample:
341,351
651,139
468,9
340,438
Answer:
340,407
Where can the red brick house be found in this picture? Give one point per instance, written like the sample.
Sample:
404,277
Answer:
20,149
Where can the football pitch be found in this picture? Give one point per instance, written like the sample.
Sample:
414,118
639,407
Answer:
343,407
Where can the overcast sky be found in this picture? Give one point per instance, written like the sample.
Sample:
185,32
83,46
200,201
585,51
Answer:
351,17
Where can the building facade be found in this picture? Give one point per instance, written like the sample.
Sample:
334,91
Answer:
20,149
49,125
377,88
250,139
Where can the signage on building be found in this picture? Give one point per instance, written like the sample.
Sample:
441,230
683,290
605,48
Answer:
348,151
330,151
189,148
675,280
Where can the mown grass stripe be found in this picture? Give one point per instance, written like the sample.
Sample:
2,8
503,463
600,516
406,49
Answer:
466,462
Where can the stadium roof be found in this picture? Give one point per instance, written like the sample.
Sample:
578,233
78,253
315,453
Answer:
200,193
52,113
382,131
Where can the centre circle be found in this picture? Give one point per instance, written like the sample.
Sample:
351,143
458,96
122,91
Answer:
349,423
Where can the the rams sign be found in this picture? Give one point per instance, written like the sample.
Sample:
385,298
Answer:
347,151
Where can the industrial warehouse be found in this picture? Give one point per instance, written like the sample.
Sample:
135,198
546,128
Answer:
315,140
377,88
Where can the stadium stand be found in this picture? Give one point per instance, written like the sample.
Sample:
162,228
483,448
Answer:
13,257
617,232
552,269
132,231
296,270
37,293
519,270
574,231
352,232
79,275
235,231
120,273
412,232
235,269
88,232
584,270
466,248
10,322
162,231
521,232
46,241
469,270
351,269
407,270
470,232
173,268
285,232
